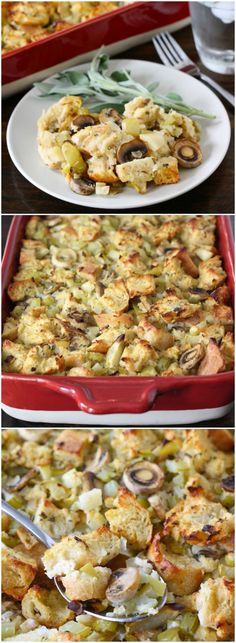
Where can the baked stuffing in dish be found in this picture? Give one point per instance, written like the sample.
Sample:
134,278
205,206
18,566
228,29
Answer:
27,22
102,152
123,506
119,295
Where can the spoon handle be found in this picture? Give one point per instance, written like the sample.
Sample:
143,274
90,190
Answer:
28,524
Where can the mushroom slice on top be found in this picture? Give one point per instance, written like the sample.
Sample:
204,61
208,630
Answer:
123,585
143,477
132,150
82,186
191,357
83,120
187,152
228,484
62,257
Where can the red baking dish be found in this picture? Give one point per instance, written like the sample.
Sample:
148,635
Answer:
120,29
115,400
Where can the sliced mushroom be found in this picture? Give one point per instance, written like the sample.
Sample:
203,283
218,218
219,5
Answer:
191,357
228,484
200,293
101,457
88,481
134,149
143,477
123,585
187,152
110,114
62,257
84,120
22,482
82,186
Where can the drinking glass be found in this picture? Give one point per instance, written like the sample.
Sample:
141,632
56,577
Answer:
213,32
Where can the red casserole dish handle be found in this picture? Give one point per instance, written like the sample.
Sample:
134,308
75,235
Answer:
127,399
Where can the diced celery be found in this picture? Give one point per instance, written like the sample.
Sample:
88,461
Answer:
176,466
89,569
16,502
229,559
158,587
217,488
48,301
105,474
171,448
148,371
172,634
73,157
143,501
228,501
189,622
8,540
111,488
105,626
226,571
76,628
8,629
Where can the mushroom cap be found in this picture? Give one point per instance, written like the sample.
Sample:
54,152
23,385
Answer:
187,152
123,585
143,477
135,149
62,257
82,186
84,120
191,357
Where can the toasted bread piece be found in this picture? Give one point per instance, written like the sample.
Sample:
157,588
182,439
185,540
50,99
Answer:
197,520
97,547
18,572
84,587
182,574
215,606
130,519
45,606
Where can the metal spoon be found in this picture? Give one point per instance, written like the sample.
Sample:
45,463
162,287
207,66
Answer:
49,542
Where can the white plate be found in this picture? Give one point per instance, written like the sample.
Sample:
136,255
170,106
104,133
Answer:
22,144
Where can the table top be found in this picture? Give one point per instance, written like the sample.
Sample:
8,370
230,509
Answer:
216,194
7,421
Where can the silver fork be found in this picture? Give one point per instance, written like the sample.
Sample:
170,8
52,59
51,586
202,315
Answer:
172,55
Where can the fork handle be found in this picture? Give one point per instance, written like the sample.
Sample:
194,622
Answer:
223,92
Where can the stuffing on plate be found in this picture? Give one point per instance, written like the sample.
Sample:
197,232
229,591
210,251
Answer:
26,22
138,516
103,152
119,295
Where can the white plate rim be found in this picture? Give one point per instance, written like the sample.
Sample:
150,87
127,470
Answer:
112,203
